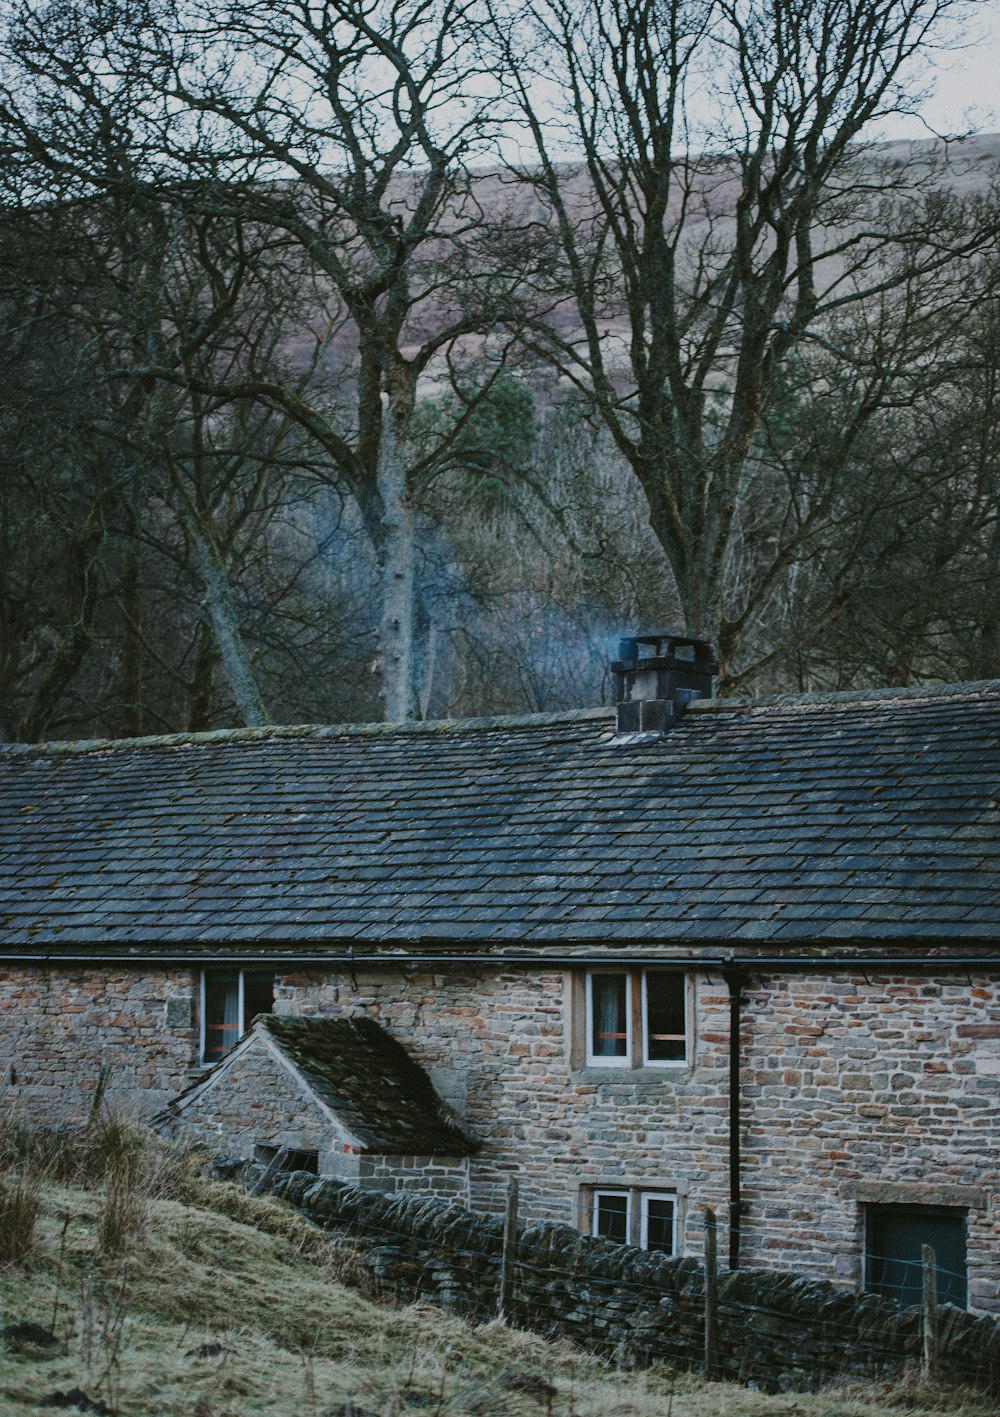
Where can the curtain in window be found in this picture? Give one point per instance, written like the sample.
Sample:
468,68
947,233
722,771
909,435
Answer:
610,1020
222,1014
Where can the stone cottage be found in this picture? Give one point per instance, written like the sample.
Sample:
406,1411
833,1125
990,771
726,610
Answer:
674,953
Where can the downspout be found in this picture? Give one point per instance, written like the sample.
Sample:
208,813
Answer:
734,982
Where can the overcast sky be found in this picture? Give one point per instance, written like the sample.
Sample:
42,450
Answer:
966,83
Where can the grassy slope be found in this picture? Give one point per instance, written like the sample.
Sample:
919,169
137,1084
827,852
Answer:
296,1342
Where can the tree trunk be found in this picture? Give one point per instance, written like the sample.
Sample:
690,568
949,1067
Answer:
232,650
74,643
396,568
202,685
131,671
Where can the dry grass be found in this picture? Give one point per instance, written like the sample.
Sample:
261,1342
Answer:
221,1305
20,1201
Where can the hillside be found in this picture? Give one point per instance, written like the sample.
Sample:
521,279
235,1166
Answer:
223,1306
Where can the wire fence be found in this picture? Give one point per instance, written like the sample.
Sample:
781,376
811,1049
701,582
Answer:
771,1328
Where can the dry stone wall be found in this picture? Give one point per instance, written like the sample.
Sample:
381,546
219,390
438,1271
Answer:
775,1331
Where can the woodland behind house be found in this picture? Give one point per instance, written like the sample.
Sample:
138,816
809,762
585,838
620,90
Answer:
386,361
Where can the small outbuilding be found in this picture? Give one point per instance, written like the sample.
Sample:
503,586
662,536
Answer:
336,1096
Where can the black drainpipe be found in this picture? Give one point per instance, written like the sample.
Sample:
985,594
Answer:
734,982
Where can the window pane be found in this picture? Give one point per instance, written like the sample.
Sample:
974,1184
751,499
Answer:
222,1022
609,1015
611,1216
658,1213
663,1019
258,996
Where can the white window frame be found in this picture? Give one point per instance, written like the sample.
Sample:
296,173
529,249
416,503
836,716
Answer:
644,1198
595,1196
597,1060
636,1053
647,1061
637,1200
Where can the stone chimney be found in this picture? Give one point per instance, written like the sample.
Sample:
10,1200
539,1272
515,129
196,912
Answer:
657,676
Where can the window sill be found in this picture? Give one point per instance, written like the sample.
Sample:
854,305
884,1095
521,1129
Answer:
642,1076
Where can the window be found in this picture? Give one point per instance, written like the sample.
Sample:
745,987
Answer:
647,1219
896,1235
657,1221
611,1216
230,1001
636,1018
609,1015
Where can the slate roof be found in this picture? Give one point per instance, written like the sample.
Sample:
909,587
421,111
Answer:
788,822
370,1082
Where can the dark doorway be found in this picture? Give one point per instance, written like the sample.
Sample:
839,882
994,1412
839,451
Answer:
894,1264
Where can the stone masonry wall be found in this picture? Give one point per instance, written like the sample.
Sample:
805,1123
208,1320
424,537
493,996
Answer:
870,1090
776,1331
251,1101
854,1090
497,1047
60,1027
446,1177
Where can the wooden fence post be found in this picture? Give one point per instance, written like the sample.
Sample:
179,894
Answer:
509,1252
929,1366
711,1293
276,1164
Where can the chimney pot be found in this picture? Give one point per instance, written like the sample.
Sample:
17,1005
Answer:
657,676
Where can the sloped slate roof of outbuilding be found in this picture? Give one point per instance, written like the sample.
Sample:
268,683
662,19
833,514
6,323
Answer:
865,816
367,1078
375,1089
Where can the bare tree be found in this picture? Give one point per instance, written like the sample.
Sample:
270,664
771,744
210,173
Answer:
347,134
910,553
146,467
713,216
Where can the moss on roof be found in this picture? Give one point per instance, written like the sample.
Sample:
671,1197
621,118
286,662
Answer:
372,1084
800,823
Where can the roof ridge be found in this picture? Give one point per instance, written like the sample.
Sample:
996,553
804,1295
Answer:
313,730
971,688
497,722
